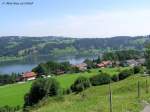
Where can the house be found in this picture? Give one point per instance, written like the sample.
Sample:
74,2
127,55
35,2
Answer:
116,63
82,66
104,64
141,61
59,72
29,76
132,62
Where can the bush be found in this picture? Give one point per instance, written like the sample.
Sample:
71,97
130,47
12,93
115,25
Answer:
40,89
80,84
10,109
52,87
115,78
68,91
100,79
137,69
125,73
89,71
100,71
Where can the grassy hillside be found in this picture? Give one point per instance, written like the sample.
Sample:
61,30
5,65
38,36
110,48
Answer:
95,99
13,95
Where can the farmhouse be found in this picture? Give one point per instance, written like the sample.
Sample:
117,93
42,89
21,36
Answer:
135,62
104,64
82,66
59,72
141,61
132,62
29,76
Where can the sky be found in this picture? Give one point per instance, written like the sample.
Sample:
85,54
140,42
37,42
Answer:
75,18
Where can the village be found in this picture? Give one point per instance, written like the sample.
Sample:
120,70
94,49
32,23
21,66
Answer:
82,67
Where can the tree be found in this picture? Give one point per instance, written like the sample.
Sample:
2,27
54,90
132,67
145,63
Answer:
98,59
147,57
115,78
137,69
125,73
100,79
40,89
37,92
41,69
90,63
80,84
52,87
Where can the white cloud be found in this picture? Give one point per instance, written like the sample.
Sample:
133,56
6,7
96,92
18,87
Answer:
110,24
101,24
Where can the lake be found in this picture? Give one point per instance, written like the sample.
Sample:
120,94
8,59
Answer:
28,65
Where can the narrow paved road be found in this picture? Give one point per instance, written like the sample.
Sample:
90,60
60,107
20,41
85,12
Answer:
146,109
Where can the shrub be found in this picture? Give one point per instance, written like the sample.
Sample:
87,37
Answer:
100,71
125,73
137,69
52,87
10,109
80,84
100,79
115,78
68,91
89,71
41,88
37,92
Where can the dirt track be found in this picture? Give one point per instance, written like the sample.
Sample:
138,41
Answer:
146,109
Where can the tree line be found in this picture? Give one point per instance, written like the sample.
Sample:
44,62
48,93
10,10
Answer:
9,79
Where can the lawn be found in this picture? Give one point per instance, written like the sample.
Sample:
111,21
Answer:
13,94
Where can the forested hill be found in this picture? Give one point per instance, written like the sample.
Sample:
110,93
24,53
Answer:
61,46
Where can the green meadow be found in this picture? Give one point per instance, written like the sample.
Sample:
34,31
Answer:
94,99
13,94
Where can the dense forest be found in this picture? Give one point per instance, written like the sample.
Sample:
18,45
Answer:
62,46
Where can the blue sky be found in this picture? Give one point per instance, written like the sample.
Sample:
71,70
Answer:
76,18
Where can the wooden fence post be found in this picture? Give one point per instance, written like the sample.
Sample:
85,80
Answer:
110,98
147,86
138,89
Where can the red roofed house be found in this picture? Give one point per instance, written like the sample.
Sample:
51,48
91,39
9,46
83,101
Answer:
104,64
29,76
81,66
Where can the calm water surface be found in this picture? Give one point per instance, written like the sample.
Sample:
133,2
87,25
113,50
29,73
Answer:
9,68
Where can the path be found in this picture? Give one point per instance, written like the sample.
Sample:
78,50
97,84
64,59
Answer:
146,109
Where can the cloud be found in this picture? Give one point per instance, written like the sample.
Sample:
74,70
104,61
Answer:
105,24
100,24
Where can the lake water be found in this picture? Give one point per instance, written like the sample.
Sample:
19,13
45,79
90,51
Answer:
16,68
19,67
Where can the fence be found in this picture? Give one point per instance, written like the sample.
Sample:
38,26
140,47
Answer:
142,89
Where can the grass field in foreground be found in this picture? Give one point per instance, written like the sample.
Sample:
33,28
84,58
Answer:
96,99
13,94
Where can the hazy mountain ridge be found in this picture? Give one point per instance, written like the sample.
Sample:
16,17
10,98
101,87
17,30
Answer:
59,46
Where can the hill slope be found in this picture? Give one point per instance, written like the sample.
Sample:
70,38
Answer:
96,99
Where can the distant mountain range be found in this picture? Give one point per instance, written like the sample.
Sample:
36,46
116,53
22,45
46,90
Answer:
64,46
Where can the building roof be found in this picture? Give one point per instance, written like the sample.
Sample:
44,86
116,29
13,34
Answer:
132,61
81,65
29,74
104,63
141,61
